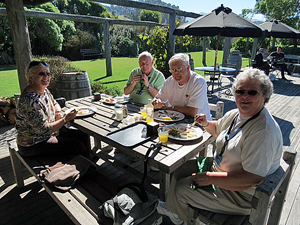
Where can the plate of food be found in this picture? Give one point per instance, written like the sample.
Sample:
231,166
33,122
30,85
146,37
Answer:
184,132
168,116
83,111
113,101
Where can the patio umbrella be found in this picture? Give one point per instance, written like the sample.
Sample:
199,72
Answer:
221,22
278,29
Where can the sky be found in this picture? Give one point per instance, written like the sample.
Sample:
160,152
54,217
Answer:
206,6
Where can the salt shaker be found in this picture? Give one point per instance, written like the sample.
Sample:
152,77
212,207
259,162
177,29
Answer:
119,112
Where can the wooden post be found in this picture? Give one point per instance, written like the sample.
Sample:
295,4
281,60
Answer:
20,36
172,26
107,49
226,51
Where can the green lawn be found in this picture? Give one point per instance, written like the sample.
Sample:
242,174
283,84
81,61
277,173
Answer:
96,70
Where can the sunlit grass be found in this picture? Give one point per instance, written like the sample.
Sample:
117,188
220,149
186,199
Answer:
96,69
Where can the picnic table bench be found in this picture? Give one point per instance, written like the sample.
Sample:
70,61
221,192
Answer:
80,203
90,53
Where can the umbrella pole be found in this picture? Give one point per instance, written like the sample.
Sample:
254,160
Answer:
216,56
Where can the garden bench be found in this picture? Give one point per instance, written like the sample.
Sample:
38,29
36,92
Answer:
267,201
90,53
81,203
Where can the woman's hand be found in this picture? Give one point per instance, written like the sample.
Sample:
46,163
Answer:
201,119
71,115
201,179
59,115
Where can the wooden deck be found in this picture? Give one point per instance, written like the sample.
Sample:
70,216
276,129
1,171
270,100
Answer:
32,205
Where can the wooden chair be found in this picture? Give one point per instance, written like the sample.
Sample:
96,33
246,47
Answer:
267,201
218,109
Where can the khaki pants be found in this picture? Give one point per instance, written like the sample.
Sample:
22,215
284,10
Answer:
181,195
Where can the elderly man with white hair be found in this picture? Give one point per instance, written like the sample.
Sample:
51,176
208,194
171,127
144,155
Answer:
185,91
145,81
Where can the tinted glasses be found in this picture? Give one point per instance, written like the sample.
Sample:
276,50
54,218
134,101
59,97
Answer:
36,63
45,74
250,93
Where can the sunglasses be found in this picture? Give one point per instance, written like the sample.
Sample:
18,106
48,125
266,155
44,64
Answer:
45,74
250,93
36,63
176,70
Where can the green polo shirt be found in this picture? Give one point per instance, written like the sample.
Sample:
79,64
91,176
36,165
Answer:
156,79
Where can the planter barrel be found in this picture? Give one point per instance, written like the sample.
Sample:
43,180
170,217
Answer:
74,84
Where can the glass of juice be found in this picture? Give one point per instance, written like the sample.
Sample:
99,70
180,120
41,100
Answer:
163,135
143,111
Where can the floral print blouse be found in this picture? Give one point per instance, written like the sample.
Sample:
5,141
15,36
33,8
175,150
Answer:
34,115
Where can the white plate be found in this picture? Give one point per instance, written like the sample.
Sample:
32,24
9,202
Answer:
160,115
198,133
86,111
113,101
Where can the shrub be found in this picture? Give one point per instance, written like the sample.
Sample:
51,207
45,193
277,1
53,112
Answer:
128,48
98,87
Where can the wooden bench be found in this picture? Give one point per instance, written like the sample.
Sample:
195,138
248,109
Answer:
267,201
80,203
90,53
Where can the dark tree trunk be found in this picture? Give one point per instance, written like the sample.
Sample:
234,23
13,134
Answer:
20,37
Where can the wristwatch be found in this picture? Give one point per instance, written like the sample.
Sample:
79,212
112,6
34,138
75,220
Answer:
150,86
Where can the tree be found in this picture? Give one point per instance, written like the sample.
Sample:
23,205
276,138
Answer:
287,11
148,15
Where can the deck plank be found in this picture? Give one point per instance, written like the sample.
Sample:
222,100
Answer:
27,205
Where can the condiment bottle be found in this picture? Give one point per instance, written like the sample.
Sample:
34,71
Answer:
125,111
119,112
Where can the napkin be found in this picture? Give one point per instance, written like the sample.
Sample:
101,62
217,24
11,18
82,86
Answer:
204,164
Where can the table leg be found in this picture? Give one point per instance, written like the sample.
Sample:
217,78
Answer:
164,184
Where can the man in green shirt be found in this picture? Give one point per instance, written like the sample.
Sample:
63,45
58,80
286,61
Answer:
144,82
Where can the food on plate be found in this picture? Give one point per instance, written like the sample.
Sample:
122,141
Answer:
171,116
109,100
83,112
182,132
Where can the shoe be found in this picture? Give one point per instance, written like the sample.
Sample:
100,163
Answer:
161,209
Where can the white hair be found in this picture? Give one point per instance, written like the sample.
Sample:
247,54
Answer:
147,54
184,58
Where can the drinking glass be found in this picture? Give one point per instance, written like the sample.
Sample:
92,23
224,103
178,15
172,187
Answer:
143,112
163,135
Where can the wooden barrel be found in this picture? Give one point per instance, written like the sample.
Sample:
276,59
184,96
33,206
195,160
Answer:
73,84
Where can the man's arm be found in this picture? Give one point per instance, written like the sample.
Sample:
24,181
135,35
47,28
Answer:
129,88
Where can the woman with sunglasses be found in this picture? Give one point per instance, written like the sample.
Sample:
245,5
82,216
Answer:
248,148
40,121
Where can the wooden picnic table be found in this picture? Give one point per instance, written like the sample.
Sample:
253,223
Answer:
167,160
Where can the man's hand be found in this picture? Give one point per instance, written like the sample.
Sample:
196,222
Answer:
157,103
136,79
146,81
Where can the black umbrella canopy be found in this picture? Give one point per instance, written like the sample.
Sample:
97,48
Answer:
278,29
221,21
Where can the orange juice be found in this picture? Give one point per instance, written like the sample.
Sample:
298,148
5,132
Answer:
144,113
149,119
163,137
